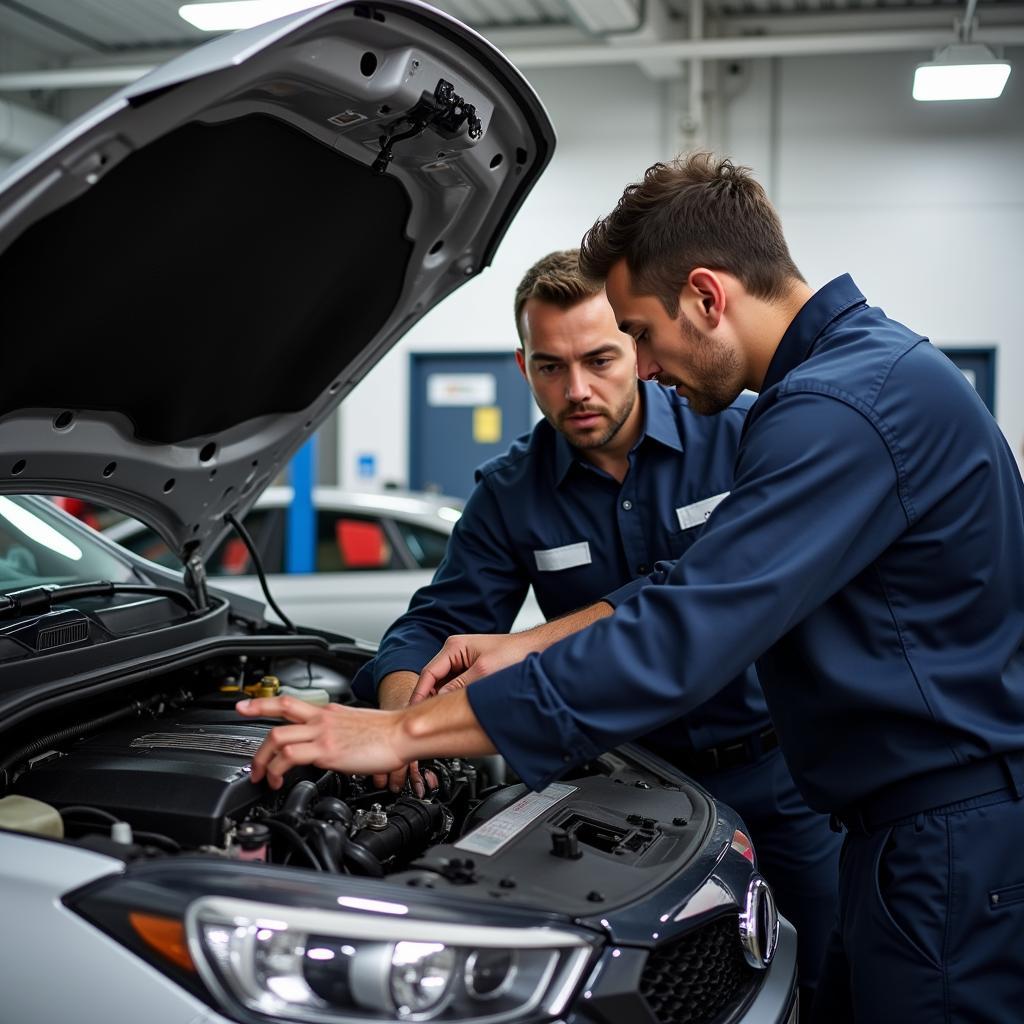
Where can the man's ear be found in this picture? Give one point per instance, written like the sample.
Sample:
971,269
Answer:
705,291
521,361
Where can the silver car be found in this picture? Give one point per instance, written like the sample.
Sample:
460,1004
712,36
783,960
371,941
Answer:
373,551
195,274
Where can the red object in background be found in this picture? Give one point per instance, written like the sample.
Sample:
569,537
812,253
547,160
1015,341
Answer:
80,509
235,559
362,545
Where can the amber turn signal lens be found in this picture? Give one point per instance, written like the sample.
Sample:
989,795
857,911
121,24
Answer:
164,934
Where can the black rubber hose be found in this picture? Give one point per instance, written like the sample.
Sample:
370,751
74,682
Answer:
258,565
355,854
319,835
154,838
96,812
297,803
295,841
54,739
42,599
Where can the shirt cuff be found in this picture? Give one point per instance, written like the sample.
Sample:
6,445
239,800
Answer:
404,658
624,593
519,702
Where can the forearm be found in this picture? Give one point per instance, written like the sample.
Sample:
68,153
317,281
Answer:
395,690
442,727
548,633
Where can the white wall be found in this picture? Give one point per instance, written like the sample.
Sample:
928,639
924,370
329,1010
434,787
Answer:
922,203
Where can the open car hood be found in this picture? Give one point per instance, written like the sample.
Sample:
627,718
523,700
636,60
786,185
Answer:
197,271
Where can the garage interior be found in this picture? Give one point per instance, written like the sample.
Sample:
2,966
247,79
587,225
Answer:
814,96
920,199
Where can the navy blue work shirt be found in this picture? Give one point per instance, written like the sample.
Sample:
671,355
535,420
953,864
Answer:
542,515
870,556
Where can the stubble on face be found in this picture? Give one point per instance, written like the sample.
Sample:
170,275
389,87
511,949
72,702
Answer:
715,367
590,438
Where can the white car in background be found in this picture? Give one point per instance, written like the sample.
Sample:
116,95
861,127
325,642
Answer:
373,551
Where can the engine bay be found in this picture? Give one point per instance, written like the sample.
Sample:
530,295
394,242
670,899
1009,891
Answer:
168,773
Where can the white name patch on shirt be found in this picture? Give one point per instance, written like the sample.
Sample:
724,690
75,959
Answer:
567,557
697,514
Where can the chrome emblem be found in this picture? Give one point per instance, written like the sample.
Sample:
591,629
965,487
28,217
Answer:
759,924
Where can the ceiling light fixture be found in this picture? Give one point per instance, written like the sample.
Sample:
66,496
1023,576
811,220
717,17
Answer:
235,14
962,70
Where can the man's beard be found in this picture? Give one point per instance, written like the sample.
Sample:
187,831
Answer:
616,419
716,367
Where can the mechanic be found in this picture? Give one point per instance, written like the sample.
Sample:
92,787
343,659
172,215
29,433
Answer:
615,477
869,555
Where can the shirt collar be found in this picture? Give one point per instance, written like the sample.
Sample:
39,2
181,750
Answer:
659,424
817,313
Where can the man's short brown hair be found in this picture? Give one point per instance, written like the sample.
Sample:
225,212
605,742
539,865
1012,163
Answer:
697,211
556,279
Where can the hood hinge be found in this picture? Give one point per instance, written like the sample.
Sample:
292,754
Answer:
195,580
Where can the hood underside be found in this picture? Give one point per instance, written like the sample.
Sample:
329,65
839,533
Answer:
198,271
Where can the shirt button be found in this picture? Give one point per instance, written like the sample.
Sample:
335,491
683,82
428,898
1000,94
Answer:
642,570
627,504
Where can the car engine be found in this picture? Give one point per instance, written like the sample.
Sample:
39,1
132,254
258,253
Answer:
175,769
168,773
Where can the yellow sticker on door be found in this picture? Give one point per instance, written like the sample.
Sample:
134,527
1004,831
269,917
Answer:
487,424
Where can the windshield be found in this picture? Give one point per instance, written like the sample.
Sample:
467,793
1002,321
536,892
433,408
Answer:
38,545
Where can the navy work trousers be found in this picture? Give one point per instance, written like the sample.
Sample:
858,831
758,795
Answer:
931,920
796,850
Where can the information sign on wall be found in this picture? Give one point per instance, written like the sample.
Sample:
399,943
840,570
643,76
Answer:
461,389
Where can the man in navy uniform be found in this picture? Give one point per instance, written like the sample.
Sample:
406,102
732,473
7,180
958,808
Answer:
617,476
869,557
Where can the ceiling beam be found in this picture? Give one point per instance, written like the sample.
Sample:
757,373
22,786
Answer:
600,54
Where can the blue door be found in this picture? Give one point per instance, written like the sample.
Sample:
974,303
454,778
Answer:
465,409
978,365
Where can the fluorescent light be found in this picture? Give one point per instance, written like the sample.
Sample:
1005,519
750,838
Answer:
234,14
34,528
961,71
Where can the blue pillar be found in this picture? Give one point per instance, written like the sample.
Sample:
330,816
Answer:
300,522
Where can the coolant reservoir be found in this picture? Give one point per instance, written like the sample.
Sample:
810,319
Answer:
310,694
23,814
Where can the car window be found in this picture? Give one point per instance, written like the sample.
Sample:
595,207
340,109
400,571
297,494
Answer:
426,545
146,543
230,557
38,546
350,543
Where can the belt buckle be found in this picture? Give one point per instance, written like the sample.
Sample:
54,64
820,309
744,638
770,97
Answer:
734,754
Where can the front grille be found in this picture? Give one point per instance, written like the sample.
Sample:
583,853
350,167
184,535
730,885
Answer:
699,978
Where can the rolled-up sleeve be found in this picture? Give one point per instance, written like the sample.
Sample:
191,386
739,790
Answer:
816,499
479,587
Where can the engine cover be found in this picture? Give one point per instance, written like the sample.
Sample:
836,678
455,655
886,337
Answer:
184,775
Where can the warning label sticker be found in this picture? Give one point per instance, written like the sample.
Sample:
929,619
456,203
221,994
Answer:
492,835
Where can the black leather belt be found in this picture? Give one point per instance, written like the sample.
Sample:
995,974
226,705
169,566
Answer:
1002,774
745,750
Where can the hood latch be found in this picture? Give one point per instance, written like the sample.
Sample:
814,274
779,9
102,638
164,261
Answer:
445,112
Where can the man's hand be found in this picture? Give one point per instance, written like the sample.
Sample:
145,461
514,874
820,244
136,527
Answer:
357,740
465,659
394,693
362,741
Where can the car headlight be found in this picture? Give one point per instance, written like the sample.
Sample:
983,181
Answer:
329,967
